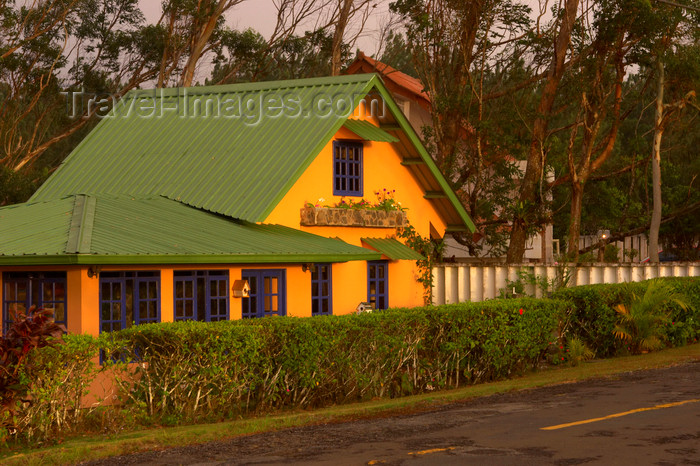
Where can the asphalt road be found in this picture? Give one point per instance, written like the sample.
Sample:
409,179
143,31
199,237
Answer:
642,418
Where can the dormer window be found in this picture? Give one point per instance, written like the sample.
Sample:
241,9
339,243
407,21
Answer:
347,168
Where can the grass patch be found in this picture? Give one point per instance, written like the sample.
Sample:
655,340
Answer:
97,447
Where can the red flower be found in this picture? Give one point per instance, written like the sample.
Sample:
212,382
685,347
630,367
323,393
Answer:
521,312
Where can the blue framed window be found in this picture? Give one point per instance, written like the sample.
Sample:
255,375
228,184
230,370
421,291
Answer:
321,296
46,290
128,298
268,293
378,284
347,168
201,295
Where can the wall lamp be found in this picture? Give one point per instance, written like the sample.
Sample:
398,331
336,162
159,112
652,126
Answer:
306,267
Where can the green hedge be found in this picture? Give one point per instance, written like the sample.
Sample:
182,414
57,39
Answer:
180,372
58,377
190,369
593,316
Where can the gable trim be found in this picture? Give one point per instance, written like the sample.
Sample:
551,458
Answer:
375,82
368,131
415,140
392,249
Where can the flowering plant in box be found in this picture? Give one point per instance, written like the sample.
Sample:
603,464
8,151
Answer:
385,201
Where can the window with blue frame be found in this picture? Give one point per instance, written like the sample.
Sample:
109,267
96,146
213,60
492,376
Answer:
128,298
321,296
378,284
201,295
45,290
347,168
268,293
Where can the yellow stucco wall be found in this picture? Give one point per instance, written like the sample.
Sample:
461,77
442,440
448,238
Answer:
382,169
298,284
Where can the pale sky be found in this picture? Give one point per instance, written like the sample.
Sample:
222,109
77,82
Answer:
261,16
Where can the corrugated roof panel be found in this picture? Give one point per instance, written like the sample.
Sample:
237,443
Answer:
39,229
392,248
221,163
123,229
225,162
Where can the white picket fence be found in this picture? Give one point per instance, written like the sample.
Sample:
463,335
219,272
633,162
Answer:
457,283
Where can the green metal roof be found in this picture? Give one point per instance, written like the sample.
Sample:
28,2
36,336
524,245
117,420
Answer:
235,150
368,131
107,229
220,161
392,248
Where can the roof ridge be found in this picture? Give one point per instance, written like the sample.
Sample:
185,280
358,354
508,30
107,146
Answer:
81,225
255,86
37,202
185,203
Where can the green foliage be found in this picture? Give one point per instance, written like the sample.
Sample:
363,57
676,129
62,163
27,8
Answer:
57,377
527,282
430,249
245,56
14,187
27,333
643,319
586,258
611,253
397,54
189,370
476,140
593,317
577,351
630,254
385,201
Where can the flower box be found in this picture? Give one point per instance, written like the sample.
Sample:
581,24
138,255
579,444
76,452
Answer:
327,216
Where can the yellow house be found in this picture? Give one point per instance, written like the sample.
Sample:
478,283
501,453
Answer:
229,202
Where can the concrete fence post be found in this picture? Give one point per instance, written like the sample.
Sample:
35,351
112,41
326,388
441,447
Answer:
473,282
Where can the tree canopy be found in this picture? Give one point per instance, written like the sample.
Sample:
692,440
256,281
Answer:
577,113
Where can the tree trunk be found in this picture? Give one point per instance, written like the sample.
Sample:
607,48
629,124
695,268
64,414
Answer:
535,157
656,166
200,41
343,17
575,223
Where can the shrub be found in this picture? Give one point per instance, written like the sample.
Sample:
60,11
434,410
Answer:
593,314
642,322
28,332
185,370
611,253
58,377
171,373
577,351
